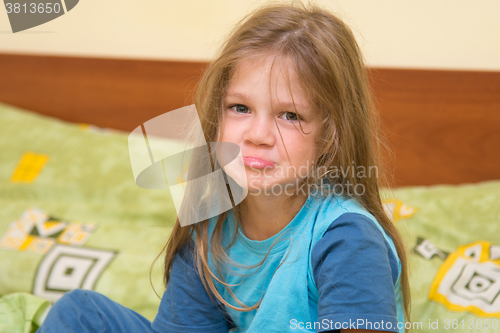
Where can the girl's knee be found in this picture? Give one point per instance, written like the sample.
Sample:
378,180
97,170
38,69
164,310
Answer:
89,311
76,296
77,300
82,293
73,312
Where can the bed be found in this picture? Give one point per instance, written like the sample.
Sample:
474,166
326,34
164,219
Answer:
72,216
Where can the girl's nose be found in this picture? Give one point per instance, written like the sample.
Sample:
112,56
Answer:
260,131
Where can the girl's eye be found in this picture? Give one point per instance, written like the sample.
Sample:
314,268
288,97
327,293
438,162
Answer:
240,108
290,116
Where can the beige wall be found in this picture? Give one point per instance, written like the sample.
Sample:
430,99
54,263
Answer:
454,34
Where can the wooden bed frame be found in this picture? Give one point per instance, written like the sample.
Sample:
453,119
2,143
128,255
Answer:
442,126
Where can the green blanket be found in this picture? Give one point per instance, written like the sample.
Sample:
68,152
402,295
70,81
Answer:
68,189
453,238
72,217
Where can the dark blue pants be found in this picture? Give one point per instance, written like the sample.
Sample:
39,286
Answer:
83,311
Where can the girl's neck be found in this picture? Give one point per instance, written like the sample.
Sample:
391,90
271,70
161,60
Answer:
263,216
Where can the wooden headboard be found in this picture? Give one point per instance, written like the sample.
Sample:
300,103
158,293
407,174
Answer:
442,126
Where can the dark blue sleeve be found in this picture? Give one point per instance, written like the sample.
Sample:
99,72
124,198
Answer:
355,272
186,306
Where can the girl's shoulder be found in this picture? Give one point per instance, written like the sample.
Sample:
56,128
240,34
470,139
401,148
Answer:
342,212
330,208
336,205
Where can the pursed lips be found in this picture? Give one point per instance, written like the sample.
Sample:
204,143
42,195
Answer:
257,163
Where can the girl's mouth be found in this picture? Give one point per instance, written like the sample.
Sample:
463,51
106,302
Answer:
257,163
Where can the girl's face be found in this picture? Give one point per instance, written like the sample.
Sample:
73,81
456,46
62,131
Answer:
262,108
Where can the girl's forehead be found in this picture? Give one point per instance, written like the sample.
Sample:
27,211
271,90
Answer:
276,66
275,74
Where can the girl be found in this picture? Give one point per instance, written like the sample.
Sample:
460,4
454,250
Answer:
310,247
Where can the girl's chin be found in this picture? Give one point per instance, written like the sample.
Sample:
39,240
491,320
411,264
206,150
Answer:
257,188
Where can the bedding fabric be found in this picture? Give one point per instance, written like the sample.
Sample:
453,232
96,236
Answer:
22,313
72,217
453,237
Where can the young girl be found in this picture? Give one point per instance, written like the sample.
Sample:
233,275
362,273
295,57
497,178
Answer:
310,247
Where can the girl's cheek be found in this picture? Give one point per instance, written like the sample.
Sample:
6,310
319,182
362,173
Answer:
229,129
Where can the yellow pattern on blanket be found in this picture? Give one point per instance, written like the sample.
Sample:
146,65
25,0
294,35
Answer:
29,168
469,280
35,231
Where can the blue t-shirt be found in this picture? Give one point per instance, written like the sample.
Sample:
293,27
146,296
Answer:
331,267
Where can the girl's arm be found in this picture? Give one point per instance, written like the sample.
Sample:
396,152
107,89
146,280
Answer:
355,272
186,306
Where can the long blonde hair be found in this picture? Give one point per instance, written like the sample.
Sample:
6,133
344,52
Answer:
329,64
